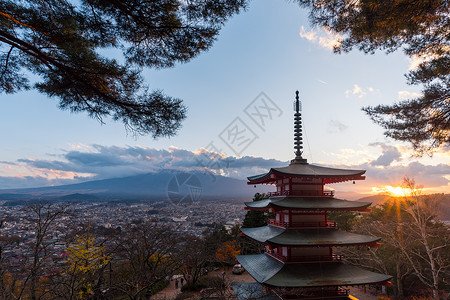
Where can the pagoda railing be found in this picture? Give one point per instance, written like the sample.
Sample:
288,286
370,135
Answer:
277,256
303,193
328,193
305,258
311,293
315,258
274,222
343,291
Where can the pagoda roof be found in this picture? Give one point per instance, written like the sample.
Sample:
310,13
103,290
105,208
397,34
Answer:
251,290
307,236
330,175
308,203
268,270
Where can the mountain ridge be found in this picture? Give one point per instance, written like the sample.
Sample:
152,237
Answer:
169,184
153,185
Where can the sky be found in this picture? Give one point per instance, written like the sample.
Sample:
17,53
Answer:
239,96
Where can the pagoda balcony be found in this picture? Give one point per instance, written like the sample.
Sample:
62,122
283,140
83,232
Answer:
311,293
276,256
327,224
315,258
303,193
304,258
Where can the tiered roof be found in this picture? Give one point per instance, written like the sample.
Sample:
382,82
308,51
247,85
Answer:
309,203
307,236
270,271
304,170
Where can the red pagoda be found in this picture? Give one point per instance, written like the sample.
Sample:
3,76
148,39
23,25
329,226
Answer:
299,260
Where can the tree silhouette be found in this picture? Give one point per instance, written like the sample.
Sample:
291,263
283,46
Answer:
62,42
421,28
414,243
256,218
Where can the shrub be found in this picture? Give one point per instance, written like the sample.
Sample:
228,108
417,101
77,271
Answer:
201,283
159,286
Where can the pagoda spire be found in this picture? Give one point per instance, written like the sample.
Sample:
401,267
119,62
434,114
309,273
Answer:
298,136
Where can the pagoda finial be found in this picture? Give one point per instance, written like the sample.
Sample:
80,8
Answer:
298,139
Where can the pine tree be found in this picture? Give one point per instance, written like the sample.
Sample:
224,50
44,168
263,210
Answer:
421,28
61,42
256,218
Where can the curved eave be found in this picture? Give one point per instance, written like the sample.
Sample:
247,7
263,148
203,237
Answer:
319,203
310,237
324,275
261,204
337,179
308,203
329,175
267,270
261,178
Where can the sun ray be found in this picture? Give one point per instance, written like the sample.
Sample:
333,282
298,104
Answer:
394,191
397,196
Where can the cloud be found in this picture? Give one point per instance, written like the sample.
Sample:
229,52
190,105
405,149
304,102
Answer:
324,38
351,156
425,175
359,91
386,169
389,155
405,95
335,126
434,179
416,60
7,163
7,182
101,162
309,35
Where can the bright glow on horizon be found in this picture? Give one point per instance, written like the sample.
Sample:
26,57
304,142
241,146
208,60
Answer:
394,191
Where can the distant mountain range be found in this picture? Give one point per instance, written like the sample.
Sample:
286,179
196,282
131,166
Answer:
173,185
151,186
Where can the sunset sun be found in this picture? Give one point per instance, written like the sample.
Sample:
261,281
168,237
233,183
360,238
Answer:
394,191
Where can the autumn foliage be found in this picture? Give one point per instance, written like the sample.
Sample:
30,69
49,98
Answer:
227,252
86,257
